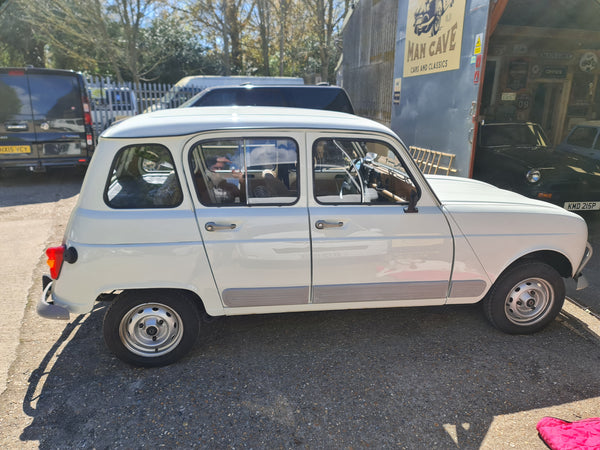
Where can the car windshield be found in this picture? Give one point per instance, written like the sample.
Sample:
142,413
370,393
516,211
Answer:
522,134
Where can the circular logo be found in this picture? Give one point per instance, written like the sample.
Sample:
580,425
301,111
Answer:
588,62
45,126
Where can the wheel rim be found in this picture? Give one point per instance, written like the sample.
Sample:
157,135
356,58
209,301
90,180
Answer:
529,301
151,330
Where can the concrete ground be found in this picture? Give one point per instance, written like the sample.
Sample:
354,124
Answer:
405,378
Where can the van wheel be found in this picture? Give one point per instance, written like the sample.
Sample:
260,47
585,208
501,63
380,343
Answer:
151,328
525,298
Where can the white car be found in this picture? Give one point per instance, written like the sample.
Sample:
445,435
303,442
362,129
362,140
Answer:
246,210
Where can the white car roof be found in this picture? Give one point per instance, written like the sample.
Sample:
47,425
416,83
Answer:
186,121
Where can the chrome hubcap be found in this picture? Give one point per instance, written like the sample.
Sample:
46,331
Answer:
151,329
529,301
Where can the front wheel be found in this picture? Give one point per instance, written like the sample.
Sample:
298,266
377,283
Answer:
526,298
151,328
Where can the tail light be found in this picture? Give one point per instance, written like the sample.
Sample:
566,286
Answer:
87,112
56,256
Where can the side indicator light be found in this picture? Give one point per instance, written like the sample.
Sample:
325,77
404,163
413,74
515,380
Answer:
544,196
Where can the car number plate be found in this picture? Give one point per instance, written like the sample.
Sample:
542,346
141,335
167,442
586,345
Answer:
582,206
15,149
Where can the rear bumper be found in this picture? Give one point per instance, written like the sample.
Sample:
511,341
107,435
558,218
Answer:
37,164
46,307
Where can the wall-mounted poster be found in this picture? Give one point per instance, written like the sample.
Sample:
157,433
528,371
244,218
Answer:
433,36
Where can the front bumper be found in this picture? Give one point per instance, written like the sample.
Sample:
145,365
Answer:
582,283
46,307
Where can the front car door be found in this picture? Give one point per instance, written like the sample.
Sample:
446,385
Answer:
253,224
370,246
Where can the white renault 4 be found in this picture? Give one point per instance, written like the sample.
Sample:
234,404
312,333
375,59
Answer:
244,210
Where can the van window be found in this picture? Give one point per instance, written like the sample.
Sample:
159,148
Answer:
55,96
241,172
143,176
15,96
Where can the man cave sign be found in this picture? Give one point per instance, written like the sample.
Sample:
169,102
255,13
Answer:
433,36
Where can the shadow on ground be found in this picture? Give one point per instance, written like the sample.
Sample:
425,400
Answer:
377,378
19,187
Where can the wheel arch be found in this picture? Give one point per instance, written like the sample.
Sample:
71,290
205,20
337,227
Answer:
190,294
554,259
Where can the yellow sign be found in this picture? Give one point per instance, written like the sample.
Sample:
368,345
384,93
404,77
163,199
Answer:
434,31
5,149
477,49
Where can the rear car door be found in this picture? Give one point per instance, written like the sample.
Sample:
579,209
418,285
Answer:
58,116
42,118
17,131
251,217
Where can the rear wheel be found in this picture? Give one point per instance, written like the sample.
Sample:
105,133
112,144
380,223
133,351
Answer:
151,328
526,298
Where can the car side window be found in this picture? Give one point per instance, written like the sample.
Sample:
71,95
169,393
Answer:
359,171
251,171
143,176
582,137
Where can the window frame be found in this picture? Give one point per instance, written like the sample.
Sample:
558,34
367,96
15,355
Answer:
365,139
112,169
241,140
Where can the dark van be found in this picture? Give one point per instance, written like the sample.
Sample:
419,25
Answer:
332,98
45,119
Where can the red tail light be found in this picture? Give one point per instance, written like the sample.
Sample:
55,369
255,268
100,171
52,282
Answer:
55,260
87,112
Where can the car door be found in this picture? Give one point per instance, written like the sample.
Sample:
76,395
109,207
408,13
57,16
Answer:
17,133
370,245
253,224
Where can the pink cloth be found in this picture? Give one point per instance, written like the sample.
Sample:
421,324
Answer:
561,435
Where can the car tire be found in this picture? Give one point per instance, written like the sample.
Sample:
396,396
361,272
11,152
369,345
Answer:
525,298
151,328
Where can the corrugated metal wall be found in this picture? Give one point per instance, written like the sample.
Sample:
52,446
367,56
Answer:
368,65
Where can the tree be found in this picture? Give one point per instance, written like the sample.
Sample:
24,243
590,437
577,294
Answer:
327,15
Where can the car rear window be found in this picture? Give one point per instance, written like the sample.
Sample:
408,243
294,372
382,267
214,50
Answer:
55,96
143,176
312,98
328,99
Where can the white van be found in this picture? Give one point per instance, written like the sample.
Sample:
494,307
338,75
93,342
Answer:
187,87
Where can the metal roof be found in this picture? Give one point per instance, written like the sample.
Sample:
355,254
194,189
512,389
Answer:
187,121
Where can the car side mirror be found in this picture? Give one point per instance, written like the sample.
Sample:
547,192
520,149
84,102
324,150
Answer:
412,203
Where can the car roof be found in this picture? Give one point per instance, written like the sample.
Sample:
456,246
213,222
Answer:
187,121
271,86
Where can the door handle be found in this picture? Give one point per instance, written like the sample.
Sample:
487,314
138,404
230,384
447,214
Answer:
211,226
321,224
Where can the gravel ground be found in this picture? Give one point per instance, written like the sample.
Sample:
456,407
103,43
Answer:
404,378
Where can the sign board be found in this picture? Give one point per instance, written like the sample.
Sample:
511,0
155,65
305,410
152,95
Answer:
434,31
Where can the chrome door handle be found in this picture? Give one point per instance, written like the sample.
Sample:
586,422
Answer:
211,226
321,224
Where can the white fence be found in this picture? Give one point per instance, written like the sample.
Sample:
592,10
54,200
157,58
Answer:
111,101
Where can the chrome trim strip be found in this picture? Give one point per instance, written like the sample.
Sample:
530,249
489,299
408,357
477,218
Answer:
270,296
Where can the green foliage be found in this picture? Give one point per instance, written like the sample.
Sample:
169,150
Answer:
165,40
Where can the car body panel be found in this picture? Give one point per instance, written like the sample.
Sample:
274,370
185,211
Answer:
463,234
